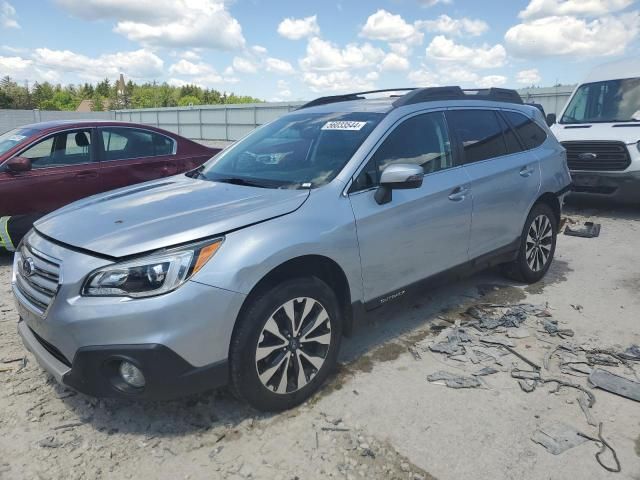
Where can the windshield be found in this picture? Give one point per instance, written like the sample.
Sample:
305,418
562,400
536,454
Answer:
610,101
299,150
10,139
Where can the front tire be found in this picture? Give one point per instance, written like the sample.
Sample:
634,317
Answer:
537,246
286,344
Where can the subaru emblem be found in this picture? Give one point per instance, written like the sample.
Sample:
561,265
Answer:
28,267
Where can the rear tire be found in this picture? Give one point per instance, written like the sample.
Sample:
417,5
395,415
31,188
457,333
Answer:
537,246
286,344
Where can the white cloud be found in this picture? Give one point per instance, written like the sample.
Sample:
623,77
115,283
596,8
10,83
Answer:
278,66
284,90
529,77
389,27
423,78
259,50
322,55
431,3
445,50
455,26
8,16
295,29
244,65
339,81
454,75
167,23
190,55
394,62
185,67
141,64
13,65
567,35
558,8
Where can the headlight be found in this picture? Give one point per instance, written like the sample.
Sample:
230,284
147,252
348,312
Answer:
152,275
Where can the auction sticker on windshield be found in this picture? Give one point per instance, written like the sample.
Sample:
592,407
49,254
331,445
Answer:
343,125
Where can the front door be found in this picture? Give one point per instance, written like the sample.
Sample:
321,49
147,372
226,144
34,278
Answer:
422,231
63,170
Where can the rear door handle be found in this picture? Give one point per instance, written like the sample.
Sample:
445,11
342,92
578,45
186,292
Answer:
526,171
458,194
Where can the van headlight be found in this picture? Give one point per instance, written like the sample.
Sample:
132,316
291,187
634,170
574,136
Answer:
151,275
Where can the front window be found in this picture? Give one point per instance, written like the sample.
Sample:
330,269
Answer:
610,101
300,150
62,149
10,139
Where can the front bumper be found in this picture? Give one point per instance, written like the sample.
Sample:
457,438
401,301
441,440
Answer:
180,339
94,370
623,186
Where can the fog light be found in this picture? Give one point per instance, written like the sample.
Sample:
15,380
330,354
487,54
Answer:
132,375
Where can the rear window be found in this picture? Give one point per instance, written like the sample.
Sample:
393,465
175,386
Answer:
531,134
121,143
298,150
479,132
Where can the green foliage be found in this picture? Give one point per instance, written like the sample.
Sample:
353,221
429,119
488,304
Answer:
106,95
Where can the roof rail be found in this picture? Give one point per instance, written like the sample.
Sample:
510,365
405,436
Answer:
432,94
349,96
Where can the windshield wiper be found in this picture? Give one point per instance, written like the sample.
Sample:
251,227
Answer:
241,181
196,172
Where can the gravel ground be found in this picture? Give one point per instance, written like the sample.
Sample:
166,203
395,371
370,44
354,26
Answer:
379,417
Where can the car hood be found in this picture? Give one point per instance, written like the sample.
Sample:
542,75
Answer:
626,132
163,213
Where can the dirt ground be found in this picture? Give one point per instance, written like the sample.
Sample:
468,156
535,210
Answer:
379,417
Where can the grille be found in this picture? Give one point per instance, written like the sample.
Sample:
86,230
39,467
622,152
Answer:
38,289
609,156
51,349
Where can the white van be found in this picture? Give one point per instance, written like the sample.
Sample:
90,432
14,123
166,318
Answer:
600,128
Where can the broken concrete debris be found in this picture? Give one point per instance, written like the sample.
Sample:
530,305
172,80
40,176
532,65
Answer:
558,438
590,230
613,383
495,331
454,381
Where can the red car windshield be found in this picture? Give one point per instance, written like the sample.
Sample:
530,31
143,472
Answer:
10,139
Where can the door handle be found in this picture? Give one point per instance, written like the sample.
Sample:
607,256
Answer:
526,171
86,175
458,194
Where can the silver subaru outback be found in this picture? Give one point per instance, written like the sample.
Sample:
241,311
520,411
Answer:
249,270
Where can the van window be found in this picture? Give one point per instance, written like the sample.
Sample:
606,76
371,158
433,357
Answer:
609,101
479,132
531,135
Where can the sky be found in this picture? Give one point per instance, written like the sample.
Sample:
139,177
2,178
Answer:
283,50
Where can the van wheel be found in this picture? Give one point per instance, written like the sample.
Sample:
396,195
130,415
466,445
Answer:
537,246
286,344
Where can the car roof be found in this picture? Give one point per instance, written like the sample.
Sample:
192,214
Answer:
52,124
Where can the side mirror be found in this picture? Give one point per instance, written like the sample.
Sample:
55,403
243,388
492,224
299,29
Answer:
551,119
19,164
399,176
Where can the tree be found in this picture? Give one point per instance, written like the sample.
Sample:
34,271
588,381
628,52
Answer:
189,100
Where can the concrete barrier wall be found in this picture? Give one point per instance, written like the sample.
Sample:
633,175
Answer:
226,122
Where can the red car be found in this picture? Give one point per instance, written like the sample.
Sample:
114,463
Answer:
46,165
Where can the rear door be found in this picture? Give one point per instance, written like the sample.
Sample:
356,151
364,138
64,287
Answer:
132,155
422,231
63,170
504,177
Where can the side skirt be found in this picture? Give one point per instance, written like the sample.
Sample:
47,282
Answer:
491,259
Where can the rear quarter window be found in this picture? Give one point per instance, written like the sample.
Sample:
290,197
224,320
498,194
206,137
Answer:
531,135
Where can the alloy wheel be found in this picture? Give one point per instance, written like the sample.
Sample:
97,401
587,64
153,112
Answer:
293,345
539,242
